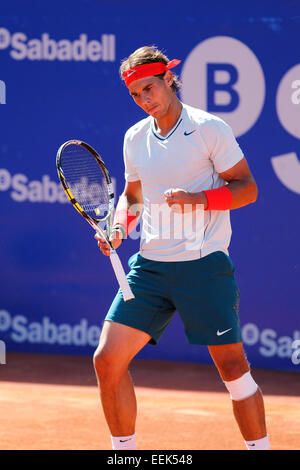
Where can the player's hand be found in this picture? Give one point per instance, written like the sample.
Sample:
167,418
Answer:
179,200
115,238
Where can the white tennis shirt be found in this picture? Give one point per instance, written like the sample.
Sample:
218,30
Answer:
190,157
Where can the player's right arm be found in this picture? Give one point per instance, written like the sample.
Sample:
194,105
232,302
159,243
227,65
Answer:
131,199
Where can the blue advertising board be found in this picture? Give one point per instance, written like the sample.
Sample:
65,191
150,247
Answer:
59,80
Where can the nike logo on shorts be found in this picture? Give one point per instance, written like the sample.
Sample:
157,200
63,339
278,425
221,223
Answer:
220,333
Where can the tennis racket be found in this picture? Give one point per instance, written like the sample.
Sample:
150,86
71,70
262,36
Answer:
87,183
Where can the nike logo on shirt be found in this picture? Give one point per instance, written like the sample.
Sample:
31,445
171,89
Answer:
188,133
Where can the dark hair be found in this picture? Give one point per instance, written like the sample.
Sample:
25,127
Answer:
148,55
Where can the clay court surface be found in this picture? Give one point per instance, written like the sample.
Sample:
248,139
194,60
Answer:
51,403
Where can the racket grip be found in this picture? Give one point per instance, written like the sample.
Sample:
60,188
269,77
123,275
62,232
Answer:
121,276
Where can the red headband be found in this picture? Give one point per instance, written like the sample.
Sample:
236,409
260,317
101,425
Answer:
147,70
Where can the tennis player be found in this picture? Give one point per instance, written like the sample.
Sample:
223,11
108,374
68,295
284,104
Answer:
182,165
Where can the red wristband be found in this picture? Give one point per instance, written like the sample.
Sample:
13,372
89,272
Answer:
219,199
126,218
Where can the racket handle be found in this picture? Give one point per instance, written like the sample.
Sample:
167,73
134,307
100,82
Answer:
121,276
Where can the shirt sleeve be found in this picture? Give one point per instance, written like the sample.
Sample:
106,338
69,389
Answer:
130,171
224,151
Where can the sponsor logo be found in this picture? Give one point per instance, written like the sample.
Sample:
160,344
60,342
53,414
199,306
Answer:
2,352
89,194
296,94
296,353
46,48
220,333
287,169
188,133
2,92
45,331
222,88
22,189
287,165
270,344
286,99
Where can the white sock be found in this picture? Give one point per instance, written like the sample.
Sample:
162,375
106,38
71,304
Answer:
124,442
259,444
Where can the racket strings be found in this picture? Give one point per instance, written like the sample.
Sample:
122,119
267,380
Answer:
85,179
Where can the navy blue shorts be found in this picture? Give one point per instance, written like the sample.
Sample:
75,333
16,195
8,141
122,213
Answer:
203,291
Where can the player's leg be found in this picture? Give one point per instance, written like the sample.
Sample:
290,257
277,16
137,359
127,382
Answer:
247,399
117,346
128,327
207,298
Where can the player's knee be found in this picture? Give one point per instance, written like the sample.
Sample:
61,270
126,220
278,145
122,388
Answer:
242,388
101,362
106,364
232,369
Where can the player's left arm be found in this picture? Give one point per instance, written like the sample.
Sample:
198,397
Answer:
241,184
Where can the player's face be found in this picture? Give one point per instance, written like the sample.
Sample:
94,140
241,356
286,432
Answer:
153,95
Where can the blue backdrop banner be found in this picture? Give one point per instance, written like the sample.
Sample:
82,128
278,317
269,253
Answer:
59,80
